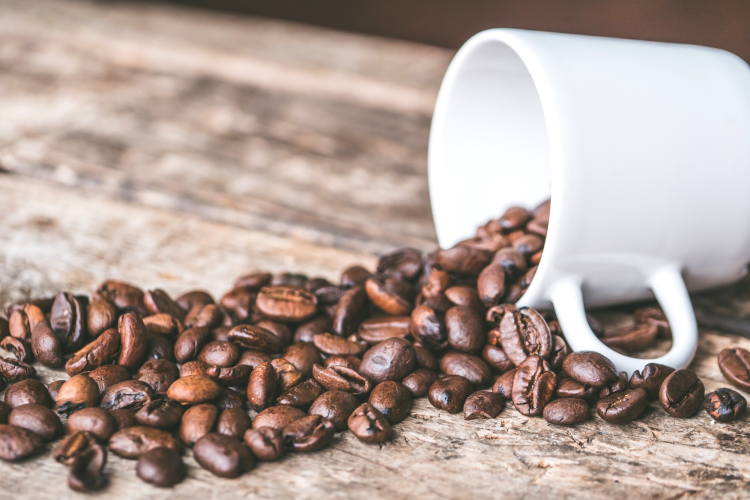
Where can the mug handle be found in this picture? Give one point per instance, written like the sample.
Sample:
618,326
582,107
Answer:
671,293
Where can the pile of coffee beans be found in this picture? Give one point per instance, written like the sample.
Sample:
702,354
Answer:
150,374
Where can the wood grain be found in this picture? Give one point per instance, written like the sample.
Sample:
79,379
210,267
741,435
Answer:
152,164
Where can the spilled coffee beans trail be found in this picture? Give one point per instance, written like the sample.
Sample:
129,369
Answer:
150,375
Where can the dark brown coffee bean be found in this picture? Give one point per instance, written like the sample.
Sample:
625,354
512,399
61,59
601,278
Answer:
197,421
495,315
303,395
132,340
193,368
378,329
533,386
527,278
15,371
405,262
20,348
308,434
228,377
124,296
68,320
681,393
239,302
385,296
391,399
207,316
72,446
101,316
560,351
253,358
514,218
497,359
392,359
303,356
5,410
651,379
266,443
189,343
529,244
130,394
124,418
161,413
108,375
87,470
17,443
334,345
103,350
38,419
654,316
187,300
261,388
96,421
351,362
257,338
354,276
161,467
231,398
286,304
468,366
449,393
27,391
419,381
464,295
307,330
349,311
734,363
483,405
45,346
512,261
291,280
160,374
159,302
491,284
504,384
618,386
369,425
286,374
195,389
725,405
524,333
277,417
335,406
465,329
438,281
463,259
569,388
163,324
341,378
277,328
79,391
590,368
623,407
568,411
429,328
132,442
632,340
223,456
54,388
219,353
233,422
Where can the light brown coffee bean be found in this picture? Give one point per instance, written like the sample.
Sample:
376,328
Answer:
132,442
261,388
286,303
196,422
277,417
194,389
103,350
79,391
97,421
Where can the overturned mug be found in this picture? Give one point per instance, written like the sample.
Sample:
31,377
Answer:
644,148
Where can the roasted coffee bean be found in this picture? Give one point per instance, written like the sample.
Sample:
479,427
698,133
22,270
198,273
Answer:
514,218
385,296
159,374
79,391
483,405
303,395
354,276
334,345
228,377
590,368
618,386
392,359
286,304
425,358
38,419
632,340
108,375
504,384
512,261
465,329
391,399
527,278
308,434
463,259
335,406
195,389
68,320
560,351
651,379
623,407
190,342
464,295
329,294
72,446
495,315
20,348
101,316
405,262
239,302
533,386
45,346
419,381
307,330
261,388
351,362
654,316
257,338
197,421
104,349
17,443
97,421
223,456
220,353
161,467
87,470
159,302
497,359
18,325
163,324
491,284
187,300
132,442
266,443
130,394
438,281
124,296
468,366
292,280
569,388
277,417
54,388
439,304
207,316
341,378
528,244
734,363
233,422
5,410
286,374
254,281
132,340
231,398
15,371
27,391
568,411
277,328
193,368
429,328
524,333
124,418
681,393
369,425
378,329
161,413
303,356
449,393
221,333
725,405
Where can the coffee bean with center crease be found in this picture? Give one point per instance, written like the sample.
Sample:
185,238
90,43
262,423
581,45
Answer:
223,456
159,374
163,324
378,329
286,303
197,421
734,363
38,419
617,386
266,443
632,339
108,375
560,351
161,467
79,391
45,346
15,371
17,443
68,320
449,393
568,411
349,311
228,377
523,333
159,302
161,413
20,348
483,405
131,394
103,350
308,434
465,329
97,421
195,389
651,379
622,407
471,367
385,295
391,399
101,316
72,446
463,259
569,388
124,296
504,384
254,281
438,281
207,316
681,393
132,442
419,381
261,388
725,405
257,338
428,327
351,362
333,345
303,356
341,378
369,425
392,359
27,391
132,340
590,368
512,261
533,386
239,302
303,395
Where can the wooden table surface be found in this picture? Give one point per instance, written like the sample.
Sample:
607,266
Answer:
179,149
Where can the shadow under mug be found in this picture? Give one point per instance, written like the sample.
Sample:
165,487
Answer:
644,148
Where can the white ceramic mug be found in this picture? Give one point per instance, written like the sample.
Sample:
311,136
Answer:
644,148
